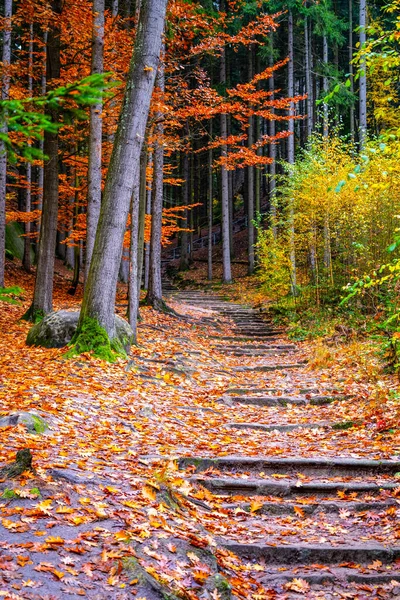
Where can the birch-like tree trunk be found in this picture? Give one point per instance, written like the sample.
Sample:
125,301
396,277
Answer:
5,88
184,260
154,293
226,254
26,260
95,135
363,76
41,166
351,71
291,148
149,191
325,84
43,293
309,86
210,209
250,178
272,149
100,290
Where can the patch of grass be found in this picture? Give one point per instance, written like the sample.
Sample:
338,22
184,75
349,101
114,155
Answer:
91,337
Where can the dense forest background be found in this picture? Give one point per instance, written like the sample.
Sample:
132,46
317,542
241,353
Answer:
277,119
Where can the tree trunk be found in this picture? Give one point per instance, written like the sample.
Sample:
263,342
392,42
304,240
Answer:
95,136
210,209
134,288
184,261
290,156
250,177
272,150
363,76
3,130
41,143
226,254
352,124
154,294
148,212
309,88
26,260
325,85
99,298
43,294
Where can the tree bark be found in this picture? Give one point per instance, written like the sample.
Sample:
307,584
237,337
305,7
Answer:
154,294
309,87
148,212
95,136
272,149
99,298
291,149
325,85
3,130
43,294
184,260
363,76
210,209
352,124
226,254
250,178
26,260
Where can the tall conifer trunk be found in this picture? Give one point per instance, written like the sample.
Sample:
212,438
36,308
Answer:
26,260
100,290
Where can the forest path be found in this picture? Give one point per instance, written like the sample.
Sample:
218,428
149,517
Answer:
262,467
321,523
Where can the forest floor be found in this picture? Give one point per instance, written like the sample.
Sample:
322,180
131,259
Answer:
218,452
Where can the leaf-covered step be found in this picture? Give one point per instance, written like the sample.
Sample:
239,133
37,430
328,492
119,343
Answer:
280,400
328,467
306,554
226,486
292,427
267,368
310,507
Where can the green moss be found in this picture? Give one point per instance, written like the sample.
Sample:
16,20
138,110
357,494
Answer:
8,494
35,491
343,425
33,315
91,337
39,424
11,295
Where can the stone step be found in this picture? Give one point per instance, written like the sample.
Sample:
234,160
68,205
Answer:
336,577
227,486
260,427
280,400
321,466
324,506
267,368
308,554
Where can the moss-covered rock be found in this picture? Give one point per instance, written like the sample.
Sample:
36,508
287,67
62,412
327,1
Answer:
33,423
59,329
15,241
